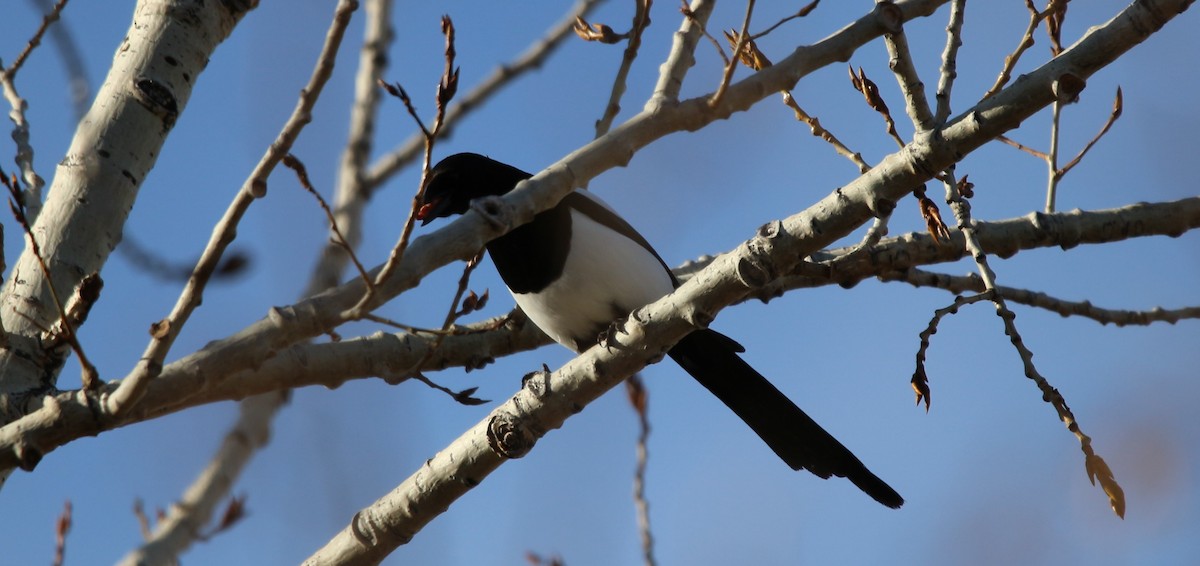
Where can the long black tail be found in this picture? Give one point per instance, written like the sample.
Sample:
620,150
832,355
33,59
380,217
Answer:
712,359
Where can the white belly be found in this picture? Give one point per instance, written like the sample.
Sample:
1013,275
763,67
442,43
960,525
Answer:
607,276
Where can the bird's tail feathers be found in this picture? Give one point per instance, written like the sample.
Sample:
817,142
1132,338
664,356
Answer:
711,358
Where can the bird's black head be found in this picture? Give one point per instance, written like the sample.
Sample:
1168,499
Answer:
457,180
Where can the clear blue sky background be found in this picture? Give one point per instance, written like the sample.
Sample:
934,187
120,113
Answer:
990,474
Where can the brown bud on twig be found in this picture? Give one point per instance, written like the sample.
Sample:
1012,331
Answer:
750,55
597,32
965,187
870,93
933,220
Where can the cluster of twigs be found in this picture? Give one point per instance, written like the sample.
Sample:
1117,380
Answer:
958,191
926,119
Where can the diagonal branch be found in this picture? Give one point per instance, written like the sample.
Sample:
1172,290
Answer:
1119,317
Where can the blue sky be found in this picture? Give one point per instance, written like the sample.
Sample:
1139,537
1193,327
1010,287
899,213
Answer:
990,475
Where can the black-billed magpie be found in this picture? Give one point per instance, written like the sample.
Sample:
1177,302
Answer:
577,267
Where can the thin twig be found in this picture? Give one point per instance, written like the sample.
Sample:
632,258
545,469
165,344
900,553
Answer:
62,527
1112,118
918,108
727,76
641,19
1095,466
351,194
139,513
294,163
690,16
640,400
920,379
971,282
72,59
1022,147
804,11
1010,61
184,522
65,328
36,40
455,312
753,57
462,397
31,197
1053,176
447,87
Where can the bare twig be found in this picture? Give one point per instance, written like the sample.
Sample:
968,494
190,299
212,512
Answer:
751,56
1010,61
1036,299
690,17
639,398
139,513
1052,175
72,59
64,329
36,40
472,304
294,163
462,397
447,87
803,11
641,19
1096,467
920,379
351,194
727,75
1022,147
918,109
1112,118
62,527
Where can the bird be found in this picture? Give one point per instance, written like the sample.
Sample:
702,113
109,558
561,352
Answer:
578,267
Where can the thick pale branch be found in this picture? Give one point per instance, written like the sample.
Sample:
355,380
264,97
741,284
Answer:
1003,238
115,147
